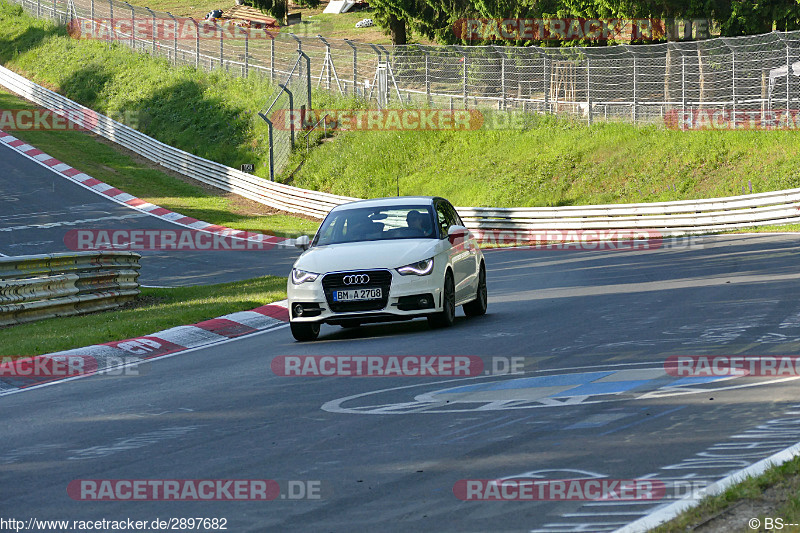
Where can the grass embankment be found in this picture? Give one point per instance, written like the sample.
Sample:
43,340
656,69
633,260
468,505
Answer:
210,114
545,161
774,494
552,162
155,310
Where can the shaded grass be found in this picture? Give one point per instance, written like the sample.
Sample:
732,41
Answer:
158,309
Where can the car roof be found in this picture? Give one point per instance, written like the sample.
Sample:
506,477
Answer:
388,202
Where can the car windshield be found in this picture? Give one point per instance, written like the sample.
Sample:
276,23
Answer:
376,224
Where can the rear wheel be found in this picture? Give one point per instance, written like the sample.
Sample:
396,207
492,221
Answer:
305,331
447,316
477,306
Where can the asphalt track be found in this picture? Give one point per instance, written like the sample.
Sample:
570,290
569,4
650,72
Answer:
388,451
38,207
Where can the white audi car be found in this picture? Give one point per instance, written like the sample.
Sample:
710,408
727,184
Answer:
383,260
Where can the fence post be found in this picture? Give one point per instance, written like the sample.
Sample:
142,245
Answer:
683,83
271,150
788,76
218,27
53,17
91,10
427,76
272,59
502,103
308,77
291,112
355,68
635,110
246,52
196,43
545,84
152,29
133,25
174,39
588,92
111,14
326,64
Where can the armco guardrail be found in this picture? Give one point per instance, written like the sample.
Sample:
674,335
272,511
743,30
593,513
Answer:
667,218
34,287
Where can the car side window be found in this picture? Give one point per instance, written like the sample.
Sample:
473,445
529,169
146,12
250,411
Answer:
452,216
442,219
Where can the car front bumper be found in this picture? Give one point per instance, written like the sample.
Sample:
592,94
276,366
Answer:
403,302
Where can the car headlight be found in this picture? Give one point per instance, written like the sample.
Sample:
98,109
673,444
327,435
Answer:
420,268
301,276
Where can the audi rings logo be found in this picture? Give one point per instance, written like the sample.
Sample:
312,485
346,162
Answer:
357,279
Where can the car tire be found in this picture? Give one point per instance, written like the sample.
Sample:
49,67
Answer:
447,315
304,331
477,307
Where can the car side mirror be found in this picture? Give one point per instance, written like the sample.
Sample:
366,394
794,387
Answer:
302,242
456,233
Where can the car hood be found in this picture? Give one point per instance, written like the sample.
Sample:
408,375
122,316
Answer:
366,255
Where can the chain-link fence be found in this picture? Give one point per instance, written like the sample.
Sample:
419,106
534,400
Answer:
754,76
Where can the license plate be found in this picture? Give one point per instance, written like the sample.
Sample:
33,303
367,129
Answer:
353,295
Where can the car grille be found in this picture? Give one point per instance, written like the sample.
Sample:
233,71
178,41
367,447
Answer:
377,278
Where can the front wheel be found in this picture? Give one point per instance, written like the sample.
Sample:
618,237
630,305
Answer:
305,331
477,306
447,316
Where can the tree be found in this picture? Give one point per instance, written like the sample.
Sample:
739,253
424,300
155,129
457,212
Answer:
278,8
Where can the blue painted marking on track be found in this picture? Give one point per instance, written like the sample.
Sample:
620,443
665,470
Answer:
606,387
695,380
562,380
